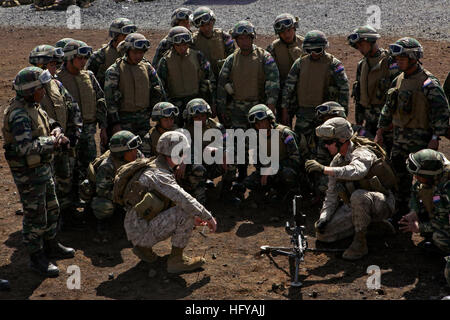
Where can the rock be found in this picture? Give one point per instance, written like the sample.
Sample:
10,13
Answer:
151,273
224,265
111,276
214,256
381,292
314,294
275,286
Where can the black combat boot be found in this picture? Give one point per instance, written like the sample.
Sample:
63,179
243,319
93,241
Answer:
54,249
40,264
4,285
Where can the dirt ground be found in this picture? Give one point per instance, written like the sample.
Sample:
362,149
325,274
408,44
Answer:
235,268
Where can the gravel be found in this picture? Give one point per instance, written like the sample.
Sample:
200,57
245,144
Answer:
421,18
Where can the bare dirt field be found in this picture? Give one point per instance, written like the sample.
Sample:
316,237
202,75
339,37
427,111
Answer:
235,268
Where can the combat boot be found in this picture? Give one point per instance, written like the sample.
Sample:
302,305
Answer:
54,249
145,254
179,263
40,264
358,248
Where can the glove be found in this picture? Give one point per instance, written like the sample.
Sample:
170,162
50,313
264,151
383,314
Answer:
313,165
320,225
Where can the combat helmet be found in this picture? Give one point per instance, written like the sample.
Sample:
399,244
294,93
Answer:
315,39
135,41
164,110
243,27
123,141
329,109
203,15
366,33
178,35
198,106
426,163
335,129
29,79
62,42
260,112
180,14
169,140
407,46
44,54
76,48
284,21
121,26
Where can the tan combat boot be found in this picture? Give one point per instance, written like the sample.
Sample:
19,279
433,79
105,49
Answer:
358,248
178,262
145,254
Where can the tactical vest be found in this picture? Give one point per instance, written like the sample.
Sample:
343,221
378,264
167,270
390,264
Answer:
81,88
184,74
213,48
425,193
53,103
286,54
111,55
412,106
380,178
374,74
247,75
134,84
94,165
313,80
210,124
282,150
40,127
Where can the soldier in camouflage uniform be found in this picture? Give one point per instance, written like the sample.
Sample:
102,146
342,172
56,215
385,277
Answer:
31,139
122,149
214,43
374,75
430,201
248,77
283,183
199,112
164,114
103,58
360,176
61,44
314,148
132,87
180,17
84,88
185,72
417,108
285,50
176,219
61,107
314,78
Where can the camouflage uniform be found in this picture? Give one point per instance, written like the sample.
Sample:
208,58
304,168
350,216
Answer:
195,80
285,53
312,82
29,147
363,203
128,105
288,174
417,107
447,86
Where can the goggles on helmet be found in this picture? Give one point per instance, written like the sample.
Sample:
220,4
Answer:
198,109
283,24
415,168
203,19
315,50
134,143
170,112
244,30
125,29
141,44
44,78
183,15
260,115
81,51
181,38
58,53
397,50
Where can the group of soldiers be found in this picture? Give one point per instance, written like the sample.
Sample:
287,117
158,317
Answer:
362,172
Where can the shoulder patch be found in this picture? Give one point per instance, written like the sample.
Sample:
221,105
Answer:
427,82
270,60
339,68
288,139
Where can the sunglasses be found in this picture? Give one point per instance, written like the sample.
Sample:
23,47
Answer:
315,50
283,24
181,38
203,19
260,115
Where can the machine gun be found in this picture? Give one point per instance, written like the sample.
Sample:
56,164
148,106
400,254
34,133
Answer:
299,242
